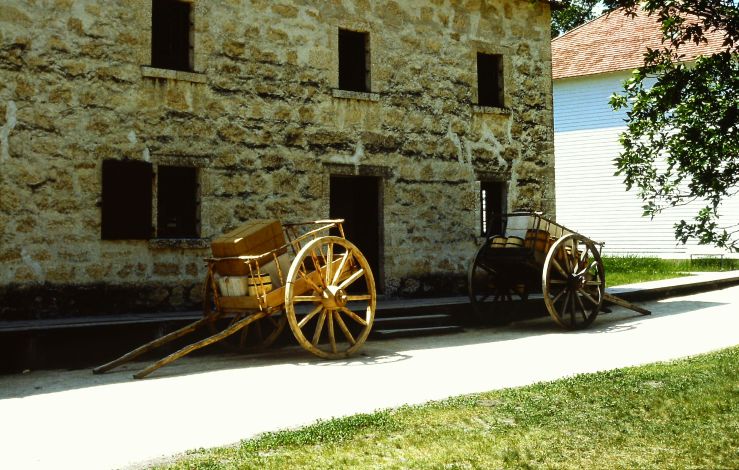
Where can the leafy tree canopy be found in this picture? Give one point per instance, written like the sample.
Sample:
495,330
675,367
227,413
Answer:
571,14
681,143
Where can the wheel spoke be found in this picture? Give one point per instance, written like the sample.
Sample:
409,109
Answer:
319,328
486,268
557,281
234,319
356,298
573,319
344,329
558,267
566,302
566,257
558,296
329,262
331,337
350,280
582,307
317,266
354,316
243,334
340,269
592,283
306,298
310,315
312,284
587,296
593,266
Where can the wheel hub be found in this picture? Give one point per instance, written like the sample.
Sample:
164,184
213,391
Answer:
576,282
333,297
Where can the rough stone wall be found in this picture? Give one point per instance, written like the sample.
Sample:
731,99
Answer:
262,119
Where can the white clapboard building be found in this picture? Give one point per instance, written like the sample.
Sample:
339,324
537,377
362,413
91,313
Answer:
589,64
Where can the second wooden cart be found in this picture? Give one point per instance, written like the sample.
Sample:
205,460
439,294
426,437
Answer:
533,255
326,294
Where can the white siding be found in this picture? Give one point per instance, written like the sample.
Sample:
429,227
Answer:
590,198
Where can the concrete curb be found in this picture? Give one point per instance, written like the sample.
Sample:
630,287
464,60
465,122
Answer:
697,282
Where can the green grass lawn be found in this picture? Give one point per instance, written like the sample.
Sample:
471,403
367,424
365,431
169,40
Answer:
683,414
631,269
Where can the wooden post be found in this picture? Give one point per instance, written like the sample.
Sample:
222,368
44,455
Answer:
200,344
151,345
624,303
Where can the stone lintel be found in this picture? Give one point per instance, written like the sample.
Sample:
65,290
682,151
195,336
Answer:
153,72
347,169
477,109
195,243
355,95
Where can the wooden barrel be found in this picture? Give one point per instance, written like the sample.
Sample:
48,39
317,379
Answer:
258,284
538,240
498,241
514,242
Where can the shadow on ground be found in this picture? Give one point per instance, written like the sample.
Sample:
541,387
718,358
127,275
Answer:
375,351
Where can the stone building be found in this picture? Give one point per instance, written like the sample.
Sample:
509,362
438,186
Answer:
132,132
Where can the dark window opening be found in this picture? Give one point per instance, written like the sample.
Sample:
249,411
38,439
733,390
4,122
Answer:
177,202
126,207
490,80
492,207
354,61
171,38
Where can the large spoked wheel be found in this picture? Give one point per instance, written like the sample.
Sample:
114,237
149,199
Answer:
254,337
330,298
573,281
490,290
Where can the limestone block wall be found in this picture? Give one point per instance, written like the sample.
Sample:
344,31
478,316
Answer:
262,119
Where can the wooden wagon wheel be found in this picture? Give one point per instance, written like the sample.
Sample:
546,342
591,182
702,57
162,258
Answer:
573,281
253,337
490,289
331,286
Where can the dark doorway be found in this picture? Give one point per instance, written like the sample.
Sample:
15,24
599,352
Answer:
356,199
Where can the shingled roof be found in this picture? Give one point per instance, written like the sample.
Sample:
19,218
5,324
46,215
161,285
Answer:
615,42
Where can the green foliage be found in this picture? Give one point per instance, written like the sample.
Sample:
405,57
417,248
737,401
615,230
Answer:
682,414
682,138
632,269
571,14
333,430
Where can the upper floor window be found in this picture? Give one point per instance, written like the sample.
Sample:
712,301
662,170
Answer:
354,60
171,35
490,80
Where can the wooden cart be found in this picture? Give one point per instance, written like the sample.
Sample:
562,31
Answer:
328,286
534,255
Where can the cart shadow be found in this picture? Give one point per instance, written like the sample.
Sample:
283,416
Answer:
622,319
375,351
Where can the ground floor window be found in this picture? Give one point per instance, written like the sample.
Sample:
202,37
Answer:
133,191
177,202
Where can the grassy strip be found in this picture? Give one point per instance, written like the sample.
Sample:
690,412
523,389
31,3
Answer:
683,414
631,269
